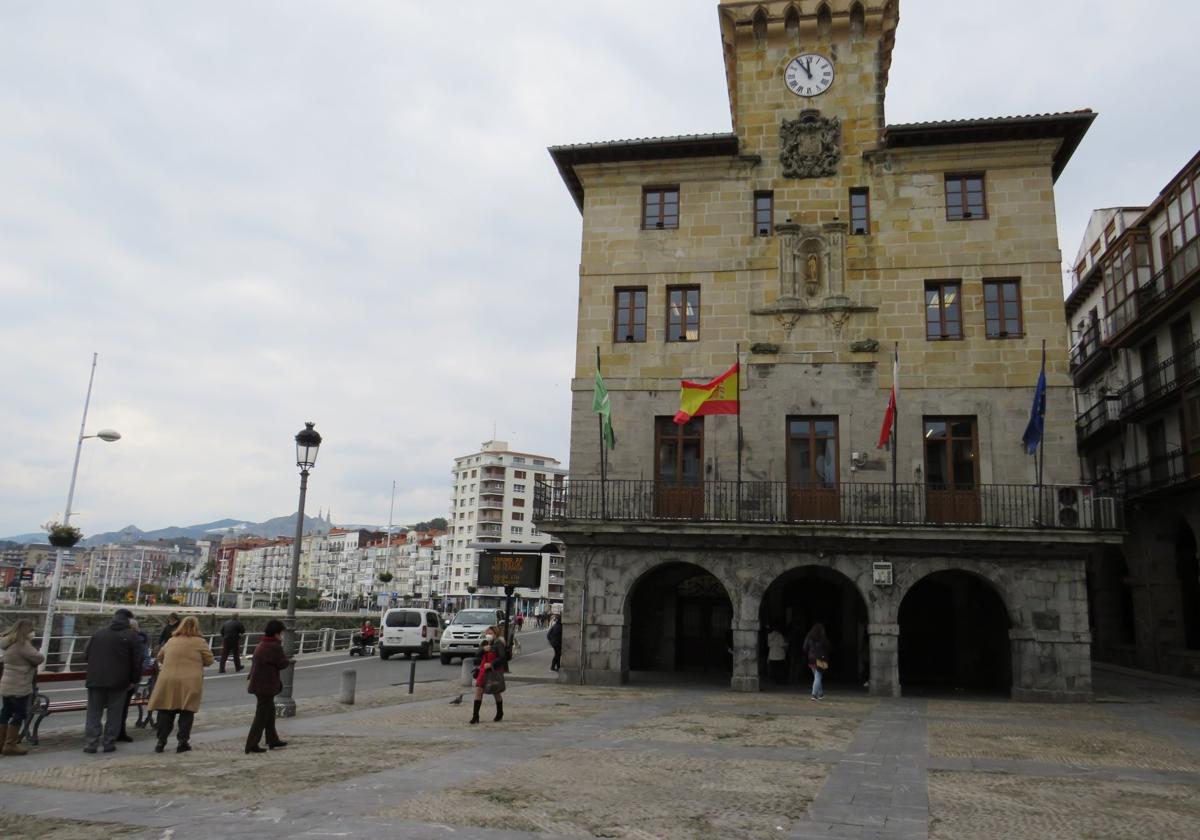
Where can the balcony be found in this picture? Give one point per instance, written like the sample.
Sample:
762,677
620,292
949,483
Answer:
491,487
1161,383
1006,506
1086,355
490,516
1156,474
491,503
1173,285
1100,422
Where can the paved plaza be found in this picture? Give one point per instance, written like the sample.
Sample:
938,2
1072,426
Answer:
642,762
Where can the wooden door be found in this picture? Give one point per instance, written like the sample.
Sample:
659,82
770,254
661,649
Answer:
678,468
812,464
951,470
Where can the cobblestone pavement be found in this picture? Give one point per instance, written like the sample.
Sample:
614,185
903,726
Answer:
641,763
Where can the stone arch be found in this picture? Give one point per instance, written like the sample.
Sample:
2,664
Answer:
760,27
955,633
807,593
824,20
858,20
679,615
791,21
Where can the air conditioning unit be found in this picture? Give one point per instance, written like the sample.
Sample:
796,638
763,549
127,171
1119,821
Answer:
1078,506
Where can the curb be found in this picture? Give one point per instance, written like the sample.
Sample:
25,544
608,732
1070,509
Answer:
1182,682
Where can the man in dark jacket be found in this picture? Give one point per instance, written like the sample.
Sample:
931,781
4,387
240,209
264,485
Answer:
231,641
114,660
554,637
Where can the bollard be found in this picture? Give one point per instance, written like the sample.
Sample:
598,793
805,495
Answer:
412,675
349,679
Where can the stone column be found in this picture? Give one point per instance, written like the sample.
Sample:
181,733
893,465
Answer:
745,656
885,659
1051,666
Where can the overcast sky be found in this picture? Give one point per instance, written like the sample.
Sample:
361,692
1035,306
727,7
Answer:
265,213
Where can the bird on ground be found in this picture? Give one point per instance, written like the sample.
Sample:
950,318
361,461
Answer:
457,701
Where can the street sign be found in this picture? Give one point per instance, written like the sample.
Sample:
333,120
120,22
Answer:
510,568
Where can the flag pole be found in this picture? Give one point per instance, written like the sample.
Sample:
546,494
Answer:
738,351
895,427
1042,443
603,459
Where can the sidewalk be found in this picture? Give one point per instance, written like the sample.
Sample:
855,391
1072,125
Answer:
644,762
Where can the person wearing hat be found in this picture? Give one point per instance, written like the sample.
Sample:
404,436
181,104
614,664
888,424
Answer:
114,666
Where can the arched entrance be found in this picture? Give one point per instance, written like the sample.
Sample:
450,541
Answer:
1188,569
681,619
798,599
954,636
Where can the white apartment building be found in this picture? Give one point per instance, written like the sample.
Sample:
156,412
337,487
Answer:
264,568
492,501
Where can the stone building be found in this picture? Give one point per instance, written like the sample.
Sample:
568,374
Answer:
1137,378
817,241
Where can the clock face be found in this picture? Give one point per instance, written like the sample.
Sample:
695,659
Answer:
809,74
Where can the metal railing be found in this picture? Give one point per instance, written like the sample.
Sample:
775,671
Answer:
1155,473
1105,412
1162,380
907,505
66,652
1087,346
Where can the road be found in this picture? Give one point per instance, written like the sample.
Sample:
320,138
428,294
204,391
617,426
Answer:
317,675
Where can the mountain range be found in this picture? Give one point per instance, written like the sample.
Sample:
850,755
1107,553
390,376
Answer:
280,526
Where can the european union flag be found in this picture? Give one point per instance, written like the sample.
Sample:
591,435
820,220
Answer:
1032,438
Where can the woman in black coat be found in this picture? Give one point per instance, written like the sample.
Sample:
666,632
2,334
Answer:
554,637
268,661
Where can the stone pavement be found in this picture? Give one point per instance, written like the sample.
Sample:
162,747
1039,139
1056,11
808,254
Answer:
645,762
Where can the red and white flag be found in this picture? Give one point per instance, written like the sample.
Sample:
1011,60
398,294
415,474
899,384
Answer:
889,418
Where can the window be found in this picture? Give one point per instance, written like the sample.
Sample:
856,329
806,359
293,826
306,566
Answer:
473,473
950,453
518,517
764,212
538,462
517,459
964,197
660,207
812,452
539,476
1182,202
1002,308
629,319
518,488
518,503
518,529
683,313
518,474
943,310
1110,232
860,211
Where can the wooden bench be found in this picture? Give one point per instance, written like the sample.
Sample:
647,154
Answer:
41,706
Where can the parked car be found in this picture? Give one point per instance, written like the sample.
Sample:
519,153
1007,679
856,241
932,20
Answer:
462,634
410,630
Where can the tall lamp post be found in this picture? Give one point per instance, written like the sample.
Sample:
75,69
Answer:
308,441
108,436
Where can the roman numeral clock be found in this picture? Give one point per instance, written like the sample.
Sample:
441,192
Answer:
809,74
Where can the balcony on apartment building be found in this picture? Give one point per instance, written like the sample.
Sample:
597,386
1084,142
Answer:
1156,474
491,501
1157,297
904,506
491,516
491,486
490,529
1087,357
492,472
1163,383
1099,423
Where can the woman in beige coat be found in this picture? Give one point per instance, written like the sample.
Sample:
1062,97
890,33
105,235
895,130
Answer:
180,683
20,659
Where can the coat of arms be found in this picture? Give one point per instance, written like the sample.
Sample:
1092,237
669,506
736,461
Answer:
810,146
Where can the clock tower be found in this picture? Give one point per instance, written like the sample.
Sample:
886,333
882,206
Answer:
824,60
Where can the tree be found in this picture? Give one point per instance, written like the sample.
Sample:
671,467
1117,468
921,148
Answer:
385,577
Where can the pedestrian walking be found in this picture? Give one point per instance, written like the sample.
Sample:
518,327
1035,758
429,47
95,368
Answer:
554,637
113,665
777,655
20,659
265,664
180,683
520,621
231,642
816,648
146,660
491,663
170,627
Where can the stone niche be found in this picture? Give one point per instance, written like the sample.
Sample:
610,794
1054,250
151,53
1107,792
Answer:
812,275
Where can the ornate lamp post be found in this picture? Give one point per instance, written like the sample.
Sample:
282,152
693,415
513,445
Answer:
307,443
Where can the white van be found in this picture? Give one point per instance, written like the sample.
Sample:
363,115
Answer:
410,630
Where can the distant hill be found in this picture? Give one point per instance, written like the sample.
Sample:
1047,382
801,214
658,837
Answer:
280,526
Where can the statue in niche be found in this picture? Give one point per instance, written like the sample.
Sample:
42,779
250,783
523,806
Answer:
812,275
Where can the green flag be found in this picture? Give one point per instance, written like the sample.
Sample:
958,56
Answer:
602,404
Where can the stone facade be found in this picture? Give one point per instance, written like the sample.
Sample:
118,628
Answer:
815,310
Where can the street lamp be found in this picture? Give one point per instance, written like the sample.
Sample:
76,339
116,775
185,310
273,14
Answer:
308,441
108,436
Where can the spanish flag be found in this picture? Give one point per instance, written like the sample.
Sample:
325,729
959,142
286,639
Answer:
720,396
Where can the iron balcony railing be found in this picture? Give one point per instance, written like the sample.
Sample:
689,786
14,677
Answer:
1086,347
1162,380
1071,507
1106,412
1155,473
